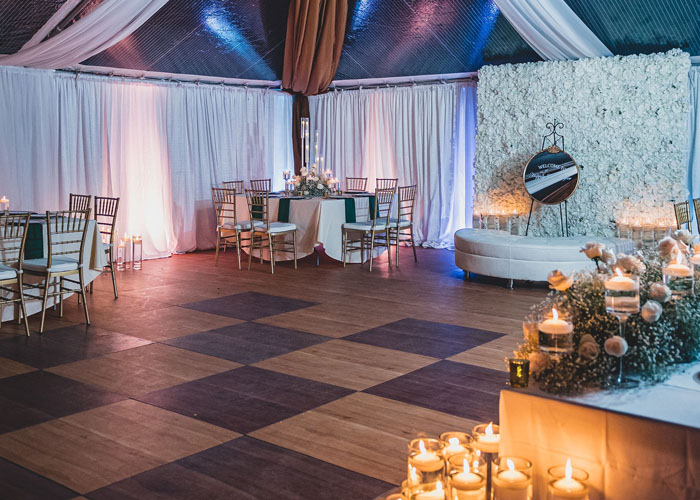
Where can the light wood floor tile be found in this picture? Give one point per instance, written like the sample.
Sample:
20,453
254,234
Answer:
9,368
90,450
135,372
492,354
361,432
347,364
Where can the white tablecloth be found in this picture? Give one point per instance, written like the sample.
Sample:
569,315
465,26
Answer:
319,222
636,444
94,258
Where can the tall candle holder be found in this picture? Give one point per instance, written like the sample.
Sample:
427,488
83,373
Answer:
5,205
621,301
121,255
487,440
126,239
305,142
555,333
137,252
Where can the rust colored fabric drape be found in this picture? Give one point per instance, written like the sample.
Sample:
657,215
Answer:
315,35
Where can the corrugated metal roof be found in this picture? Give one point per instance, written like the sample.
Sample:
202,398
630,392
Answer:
20,19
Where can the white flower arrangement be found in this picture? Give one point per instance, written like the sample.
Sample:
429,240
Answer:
312,183
625,123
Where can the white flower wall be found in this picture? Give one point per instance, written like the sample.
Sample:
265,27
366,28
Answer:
625,124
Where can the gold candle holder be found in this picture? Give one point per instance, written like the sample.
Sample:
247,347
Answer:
519,370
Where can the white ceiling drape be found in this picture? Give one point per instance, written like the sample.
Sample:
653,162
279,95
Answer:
108,24
694,135
552,29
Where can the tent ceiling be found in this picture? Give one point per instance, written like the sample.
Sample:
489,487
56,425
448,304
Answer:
384,38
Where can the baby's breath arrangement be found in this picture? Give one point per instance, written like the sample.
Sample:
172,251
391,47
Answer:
665,334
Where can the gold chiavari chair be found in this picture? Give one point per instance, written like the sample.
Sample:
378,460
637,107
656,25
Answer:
387,184
682,214
106,217
13,236
401,228
261,185
65,232
79,202
237,185
259,207
373,233
696,205
228,226
355,184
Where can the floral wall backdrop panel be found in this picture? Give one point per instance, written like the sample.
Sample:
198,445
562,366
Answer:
625,123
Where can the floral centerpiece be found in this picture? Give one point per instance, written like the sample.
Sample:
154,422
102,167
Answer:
665,333
313,183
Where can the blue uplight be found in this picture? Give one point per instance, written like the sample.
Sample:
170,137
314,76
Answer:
362,13
489,16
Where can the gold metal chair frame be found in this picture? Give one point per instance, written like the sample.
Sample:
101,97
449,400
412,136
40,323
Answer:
106,210
259,208
682,213
67,222
237,185
13,236
356,184
387,184
397,233
225,206
261,185
79,202
376,235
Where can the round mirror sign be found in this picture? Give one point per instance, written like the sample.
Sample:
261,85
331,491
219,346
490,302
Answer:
551,176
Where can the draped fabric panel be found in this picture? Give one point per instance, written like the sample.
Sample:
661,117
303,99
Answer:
421,135
159,147
108,24
694,135
552,29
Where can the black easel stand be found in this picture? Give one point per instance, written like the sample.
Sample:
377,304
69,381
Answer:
563,215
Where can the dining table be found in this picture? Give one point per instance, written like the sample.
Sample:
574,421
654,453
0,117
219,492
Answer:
36,246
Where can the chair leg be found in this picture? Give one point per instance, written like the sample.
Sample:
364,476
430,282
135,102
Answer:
60,297
114,280
271,240
250,249
23,309
387,235
47,283
218,244
345,246
82,292
238,249
371,253
413,245
294,243
397,241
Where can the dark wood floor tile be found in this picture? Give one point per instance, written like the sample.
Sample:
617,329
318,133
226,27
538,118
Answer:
247,342
249,305
456,388
18,483
428,338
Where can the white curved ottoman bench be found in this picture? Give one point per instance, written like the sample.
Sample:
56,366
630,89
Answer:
502,255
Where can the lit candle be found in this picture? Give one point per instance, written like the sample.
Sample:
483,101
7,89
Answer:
453,448
621,283
413,477
137,237
511,484
466,480
488,440
677,269
4,204
437,494
426,461
555,325
567,487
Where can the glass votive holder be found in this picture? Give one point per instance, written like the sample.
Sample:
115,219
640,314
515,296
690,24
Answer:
395,496
680,278
512,479
121,256
466,481
567,483
425,454
622,294
648,233
137,252
695,262
476,221
519,370
455,443
486,437
556,333
623,230
428,491
636,232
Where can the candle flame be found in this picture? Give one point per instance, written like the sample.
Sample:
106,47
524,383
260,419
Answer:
568,470
618,271
476,465
489,428
511,465
678,259
555,314
438,486
453,441
421,446
414,475
465,464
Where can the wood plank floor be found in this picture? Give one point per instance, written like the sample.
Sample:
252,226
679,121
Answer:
204,381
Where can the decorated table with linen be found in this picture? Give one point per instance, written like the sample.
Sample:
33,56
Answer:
319,221
94,258
639,443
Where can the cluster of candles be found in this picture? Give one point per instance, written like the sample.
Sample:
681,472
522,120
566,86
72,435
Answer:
644,230
130,252
333,182
498,220
5,205
461,466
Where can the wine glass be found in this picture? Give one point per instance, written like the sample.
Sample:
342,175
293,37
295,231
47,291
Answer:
621,301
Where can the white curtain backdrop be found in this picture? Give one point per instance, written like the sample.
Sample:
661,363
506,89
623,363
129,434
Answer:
422,135
158,146
552,29
108,24
694,135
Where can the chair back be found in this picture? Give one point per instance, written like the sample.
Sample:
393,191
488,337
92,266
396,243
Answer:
387,184
258,206
13,236
79,202
65,232
682,214
106,210
358,184
237,185
261,185
383,202
407,198
225,205
696,205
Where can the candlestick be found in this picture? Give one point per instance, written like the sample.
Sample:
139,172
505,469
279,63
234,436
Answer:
567,483
555,334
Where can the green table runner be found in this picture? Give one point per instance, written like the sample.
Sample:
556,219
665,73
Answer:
283,210
350,211
34,246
